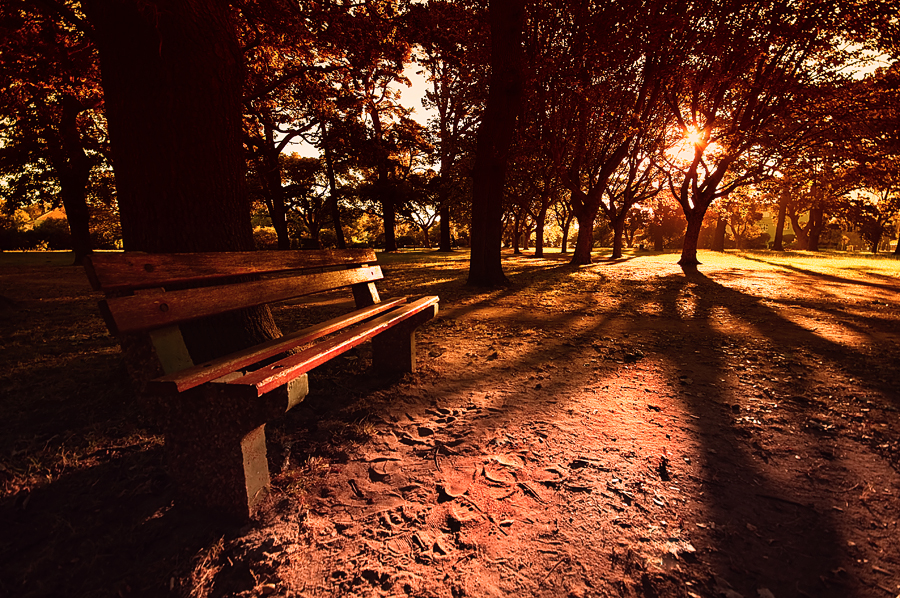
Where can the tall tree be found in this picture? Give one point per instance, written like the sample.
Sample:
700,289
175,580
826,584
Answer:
375,50
495,136
450,40
636,180
745,64
51,105
172,81
597,94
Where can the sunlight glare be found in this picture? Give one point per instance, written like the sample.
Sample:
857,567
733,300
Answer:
693,137
692,143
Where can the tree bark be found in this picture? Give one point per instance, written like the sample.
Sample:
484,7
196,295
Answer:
333,206
875,242
689,261
778,244
383,191
172,77
719,237
799,232
494,138
271,175
815,226
564,245
618,235
584,243
517,232
73,167
446,245
539,229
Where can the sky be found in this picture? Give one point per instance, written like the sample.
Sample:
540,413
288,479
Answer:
410,97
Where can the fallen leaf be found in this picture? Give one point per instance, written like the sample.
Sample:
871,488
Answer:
498,477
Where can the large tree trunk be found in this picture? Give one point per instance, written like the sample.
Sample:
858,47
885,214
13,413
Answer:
875,242
494,138
689,261
618,224
799,232
815,227
517,232
778,244
74,170
584,243
446,245
659,241
172,86
719,236
333,206
539,230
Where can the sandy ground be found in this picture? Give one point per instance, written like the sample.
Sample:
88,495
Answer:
613,430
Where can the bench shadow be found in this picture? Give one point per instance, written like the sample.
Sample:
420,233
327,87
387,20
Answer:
108,530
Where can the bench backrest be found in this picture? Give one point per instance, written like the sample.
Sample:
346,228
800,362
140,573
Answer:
145,291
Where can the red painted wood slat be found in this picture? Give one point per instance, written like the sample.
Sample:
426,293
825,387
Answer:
197,375
277,374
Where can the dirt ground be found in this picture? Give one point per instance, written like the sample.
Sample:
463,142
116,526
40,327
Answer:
612,430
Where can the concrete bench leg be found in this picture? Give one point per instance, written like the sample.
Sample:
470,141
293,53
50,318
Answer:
216,445
394,350
222,471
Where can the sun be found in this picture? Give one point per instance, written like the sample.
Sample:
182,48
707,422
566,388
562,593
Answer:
693,136
693,140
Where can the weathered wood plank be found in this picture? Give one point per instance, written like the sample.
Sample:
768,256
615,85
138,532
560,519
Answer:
277,374
135,270
144,312
197,375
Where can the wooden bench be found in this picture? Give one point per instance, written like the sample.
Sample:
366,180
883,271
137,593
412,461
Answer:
214,413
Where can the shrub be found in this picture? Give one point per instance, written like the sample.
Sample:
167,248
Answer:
265,238
52,233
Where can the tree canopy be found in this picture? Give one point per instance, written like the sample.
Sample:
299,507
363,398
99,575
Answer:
604,113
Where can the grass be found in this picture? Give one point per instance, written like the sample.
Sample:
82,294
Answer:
832,263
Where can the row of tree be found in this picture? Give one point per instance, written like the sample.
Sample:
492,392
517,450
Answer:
588,111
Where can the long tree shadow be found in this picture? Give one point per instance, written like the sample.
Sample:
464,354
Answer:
895,287
773,535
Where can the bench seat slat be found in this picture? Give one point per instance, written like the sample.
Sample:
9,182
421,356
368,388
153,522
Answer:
197,375
136,270
146,311
277,374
